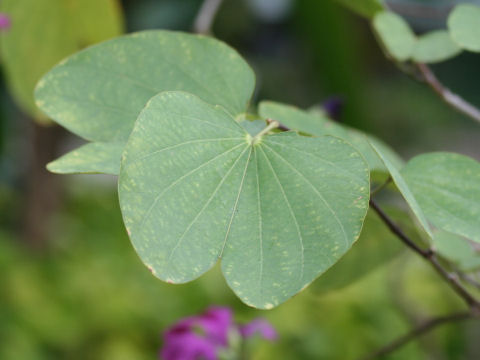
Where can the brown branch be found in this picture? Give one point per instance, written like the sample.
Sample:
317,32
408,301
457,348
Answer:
430,256
206,15
420,330
452,99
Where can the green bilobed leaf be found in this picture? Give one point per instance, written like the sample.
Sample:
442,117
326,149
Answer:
279,210
99,92
315,124
447,187
457,249
464,26
395,34
93,158
405,190
367,8
434,47
43,32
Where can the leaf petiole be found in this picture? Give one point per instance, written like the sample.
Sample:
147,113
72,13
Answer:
273,125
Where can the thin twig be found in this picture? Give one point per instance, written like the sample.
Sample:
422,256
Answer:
447,95
206,15
381,186
430,256
421,329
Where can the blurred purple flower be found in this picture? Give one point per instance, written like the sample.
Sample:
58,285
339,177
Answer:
333,106
183,343
203,336
4,21
261,327
198,337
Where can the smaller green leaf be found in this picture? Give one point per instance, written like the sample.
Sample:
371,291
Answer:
92,158
447,187
405,191
395,34
316,124
457,249
464,26
435,46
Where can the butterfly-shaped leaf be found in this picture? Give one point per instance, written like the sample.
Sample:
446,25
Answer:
278,210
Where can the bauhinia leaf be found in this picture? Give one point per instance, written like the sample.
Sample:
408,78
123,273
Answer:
406,192
395,34
318,125
99,92
435,46
464,26
447,187
92,158
279,210
43,32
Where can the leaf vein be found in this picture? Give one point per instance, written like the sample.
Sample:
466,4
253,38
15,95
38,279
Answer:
316,192
292,213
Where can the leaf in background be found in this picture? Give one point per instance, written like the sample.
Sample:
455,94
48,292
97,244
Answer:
375,247
194,187
315,124
406,192
395,34
99,92
366,8
457,249
435,46
92,158
464,26
43,32
447,187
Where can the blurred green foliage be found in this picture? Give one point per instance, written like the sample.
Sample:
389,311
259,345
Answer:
43,32
88,296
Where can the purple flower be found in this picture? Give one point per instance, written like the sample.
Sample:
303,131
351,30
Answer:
258,326
205,335
198,337
4,21
183,343
333,106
